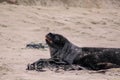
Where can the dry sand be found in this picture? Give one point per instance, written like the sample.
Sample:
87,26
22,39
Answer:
20,25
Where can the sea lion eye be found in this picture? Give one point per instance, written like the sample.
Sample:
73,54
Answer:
57,38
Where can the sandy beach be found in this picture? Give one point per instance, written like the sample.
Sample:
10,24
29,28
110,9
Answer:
21,24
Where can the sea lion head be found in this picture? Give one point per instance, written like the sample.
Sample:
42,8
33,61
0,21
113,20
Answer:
55,40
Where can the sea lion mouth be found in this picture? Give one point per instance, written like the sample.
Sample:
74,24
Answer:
48,39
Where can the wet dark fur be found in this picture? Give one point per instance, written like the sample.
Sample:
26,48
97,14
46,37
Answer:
63,52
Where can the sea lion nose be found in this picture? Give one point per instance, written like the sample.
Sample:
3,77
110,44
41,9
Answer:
50,33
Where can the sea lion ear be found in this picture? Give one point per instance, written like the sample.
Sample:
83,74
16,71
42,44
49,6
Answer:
63,38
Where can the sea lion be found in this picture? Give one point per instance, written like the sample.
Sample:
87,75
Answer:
63,52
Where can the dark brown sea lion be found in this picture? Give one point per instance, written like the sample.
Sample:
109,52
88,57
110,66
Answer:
64,53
